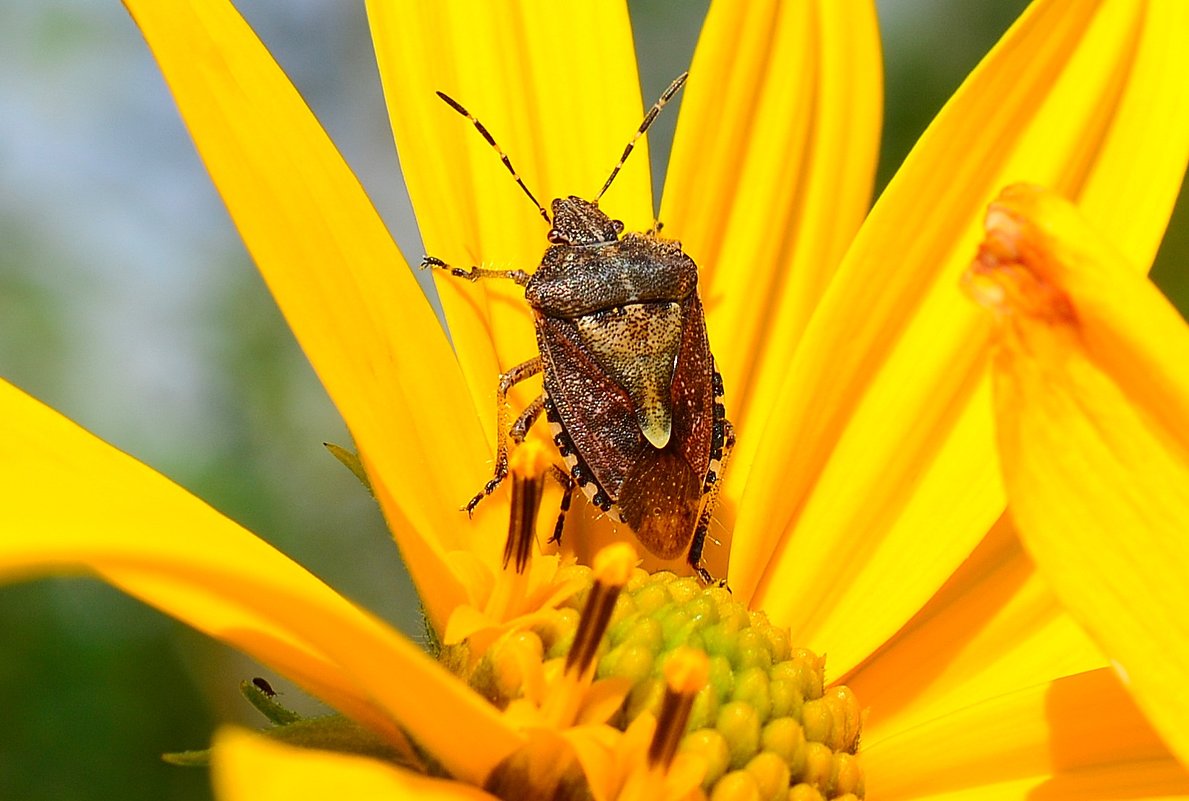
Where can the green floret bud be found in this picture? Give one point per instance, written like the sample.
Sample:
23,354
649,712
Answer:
738,785
805,792
702,609
786,738
638,629
847,776
819,766
650,598
786,698
705,709
719,640
771,775
764,723
711,749
722,678
676,626
684,591
778,642
751,687
739,723
752,650
632,661
645,697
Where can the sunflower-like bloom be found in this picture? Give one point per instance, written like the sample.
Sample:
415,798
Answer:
864,509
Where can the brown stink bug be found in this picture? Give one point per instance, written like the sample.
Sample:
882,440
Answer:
630,389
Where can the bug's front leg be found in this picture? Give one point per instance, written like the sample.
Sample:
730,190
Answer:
503,431
474,273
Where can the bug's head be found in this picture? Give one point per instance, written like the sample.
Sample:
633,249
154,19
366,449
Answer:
580,222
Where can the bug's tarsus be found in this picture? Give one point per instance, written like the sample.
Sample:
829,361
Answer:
454,104
649,118
473,274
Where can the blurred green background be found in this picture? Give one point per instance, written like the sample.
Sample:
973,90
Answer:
128,303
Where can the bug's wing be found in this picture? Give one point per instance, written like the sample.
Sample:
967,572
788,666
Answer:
659,499
661,496
637,345
658,491
693,390
596,413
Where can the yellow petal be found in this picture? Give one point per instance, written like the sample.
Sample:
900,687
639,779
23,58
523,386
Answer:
336,274
1054,736
556,86
71,502
993,629
1092,401
250,767
770,177
879,476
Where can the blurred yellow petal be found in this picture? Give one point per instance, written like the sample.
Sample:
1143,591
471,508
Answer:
892,478
71,501
249,767
336,274
994,628
556,85
1056,737
771,175
1092,402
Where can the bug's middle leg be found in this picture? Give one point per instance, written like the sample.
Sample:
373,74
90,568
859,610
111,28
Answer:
517,430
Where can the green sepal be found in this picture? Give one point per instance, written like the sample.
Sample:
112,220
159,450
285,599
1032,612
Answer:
352,462
336,733
189,759
326,733
267,704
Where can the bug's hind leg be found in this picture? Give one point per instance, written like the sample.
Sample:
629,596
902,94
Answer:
567,487
516,431
711,489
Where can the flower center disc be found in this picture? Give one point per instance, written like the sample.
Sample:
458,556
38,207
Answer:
763,724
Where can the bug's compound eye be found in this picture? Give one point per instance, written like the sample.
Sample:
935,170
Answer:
556,237
617,225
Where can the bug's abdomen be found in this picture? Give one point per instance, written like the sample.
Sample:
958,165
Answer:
601,429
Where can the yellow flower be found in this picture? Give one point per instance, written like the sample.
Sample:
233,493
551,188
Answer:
864,505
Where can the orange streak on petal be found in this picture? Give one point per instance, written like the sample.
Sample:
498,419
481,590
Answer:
1057,735
883,404
994,628
1092,401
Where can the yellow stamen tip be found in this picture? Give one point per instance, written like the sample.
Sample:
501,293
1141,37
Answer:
687,671
613,565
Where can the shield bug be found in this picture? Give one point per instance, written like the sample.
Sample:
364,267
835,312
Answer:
630,389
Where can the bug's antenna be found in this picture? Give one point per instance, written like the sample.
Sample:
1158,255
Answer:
454,104
649,118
